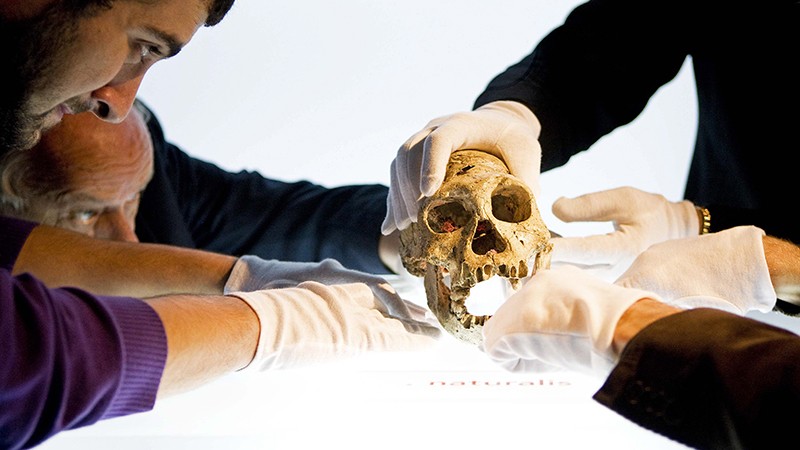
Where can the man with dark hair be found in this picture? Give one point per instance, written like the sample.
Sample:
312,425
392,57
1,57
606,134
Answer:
71,357
66,57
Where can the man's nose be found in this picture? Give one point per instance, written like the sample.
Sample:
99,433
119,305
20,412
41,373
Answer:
112,102
116,226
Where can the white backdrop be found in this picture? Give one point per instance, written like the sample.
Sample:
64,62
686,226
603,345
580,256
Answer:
327,91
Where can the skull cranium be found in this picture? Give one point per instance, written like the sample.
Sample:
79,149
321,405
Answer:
481,222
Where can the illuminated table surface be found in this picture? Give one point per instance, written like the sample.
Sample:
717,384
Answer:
450,396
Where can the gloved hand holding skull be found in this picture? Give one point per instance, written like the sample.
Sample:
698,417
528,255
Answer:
505,129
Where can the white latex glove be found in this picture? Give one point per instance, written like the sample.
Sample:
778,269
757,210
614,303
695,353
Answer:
506,129
561,318
724,270
251,273
314,323
640,220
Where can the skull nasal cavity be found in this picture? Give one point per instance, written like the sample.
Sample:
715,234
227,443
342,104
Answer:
447,218
511,204
486,239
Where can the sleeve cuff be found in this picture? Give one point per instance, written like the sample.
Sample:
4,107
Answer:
144,344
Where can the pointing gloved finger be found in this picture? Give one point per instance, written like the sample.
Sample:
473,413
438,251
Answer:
587,208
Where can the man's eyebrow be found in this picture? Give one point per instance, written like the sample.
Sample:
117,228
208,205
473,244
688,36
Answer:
81,198
173,43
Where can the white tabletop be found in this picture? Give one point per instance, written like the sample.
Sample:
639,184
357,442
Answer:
451,396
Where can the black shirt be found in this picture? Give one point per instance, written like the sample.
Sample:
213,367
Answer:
598,70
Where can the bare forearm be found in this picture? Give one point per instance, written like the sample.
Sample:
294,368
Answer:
63,258
636,318
783,260
207,337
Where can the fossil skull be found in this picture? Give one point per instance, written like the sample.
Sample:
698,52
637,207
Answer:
483,221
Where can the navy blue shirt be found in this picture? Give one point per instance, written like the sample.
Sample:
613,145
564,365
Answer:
192,203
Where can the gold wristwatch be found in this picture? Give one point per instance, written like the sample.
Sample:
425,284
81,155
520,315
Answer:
704,218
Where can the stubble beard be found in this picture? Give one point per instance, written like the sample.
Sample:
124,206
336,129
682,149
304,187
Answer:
34,47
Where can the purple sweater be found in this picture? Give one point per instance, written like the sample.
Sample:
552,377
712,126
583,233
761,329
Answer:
69,358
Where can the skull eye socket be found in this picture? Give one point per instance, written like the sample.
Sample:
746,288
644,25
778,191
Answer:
511,204
447,217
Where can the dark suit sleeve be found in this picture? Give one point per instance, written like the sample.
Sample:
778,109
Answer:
596,71
710,379
193,203
772,220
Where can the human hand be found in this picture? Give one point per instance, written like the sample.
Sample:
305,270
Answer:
506,129
724,270
314,323
561,318
640,220
251,273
